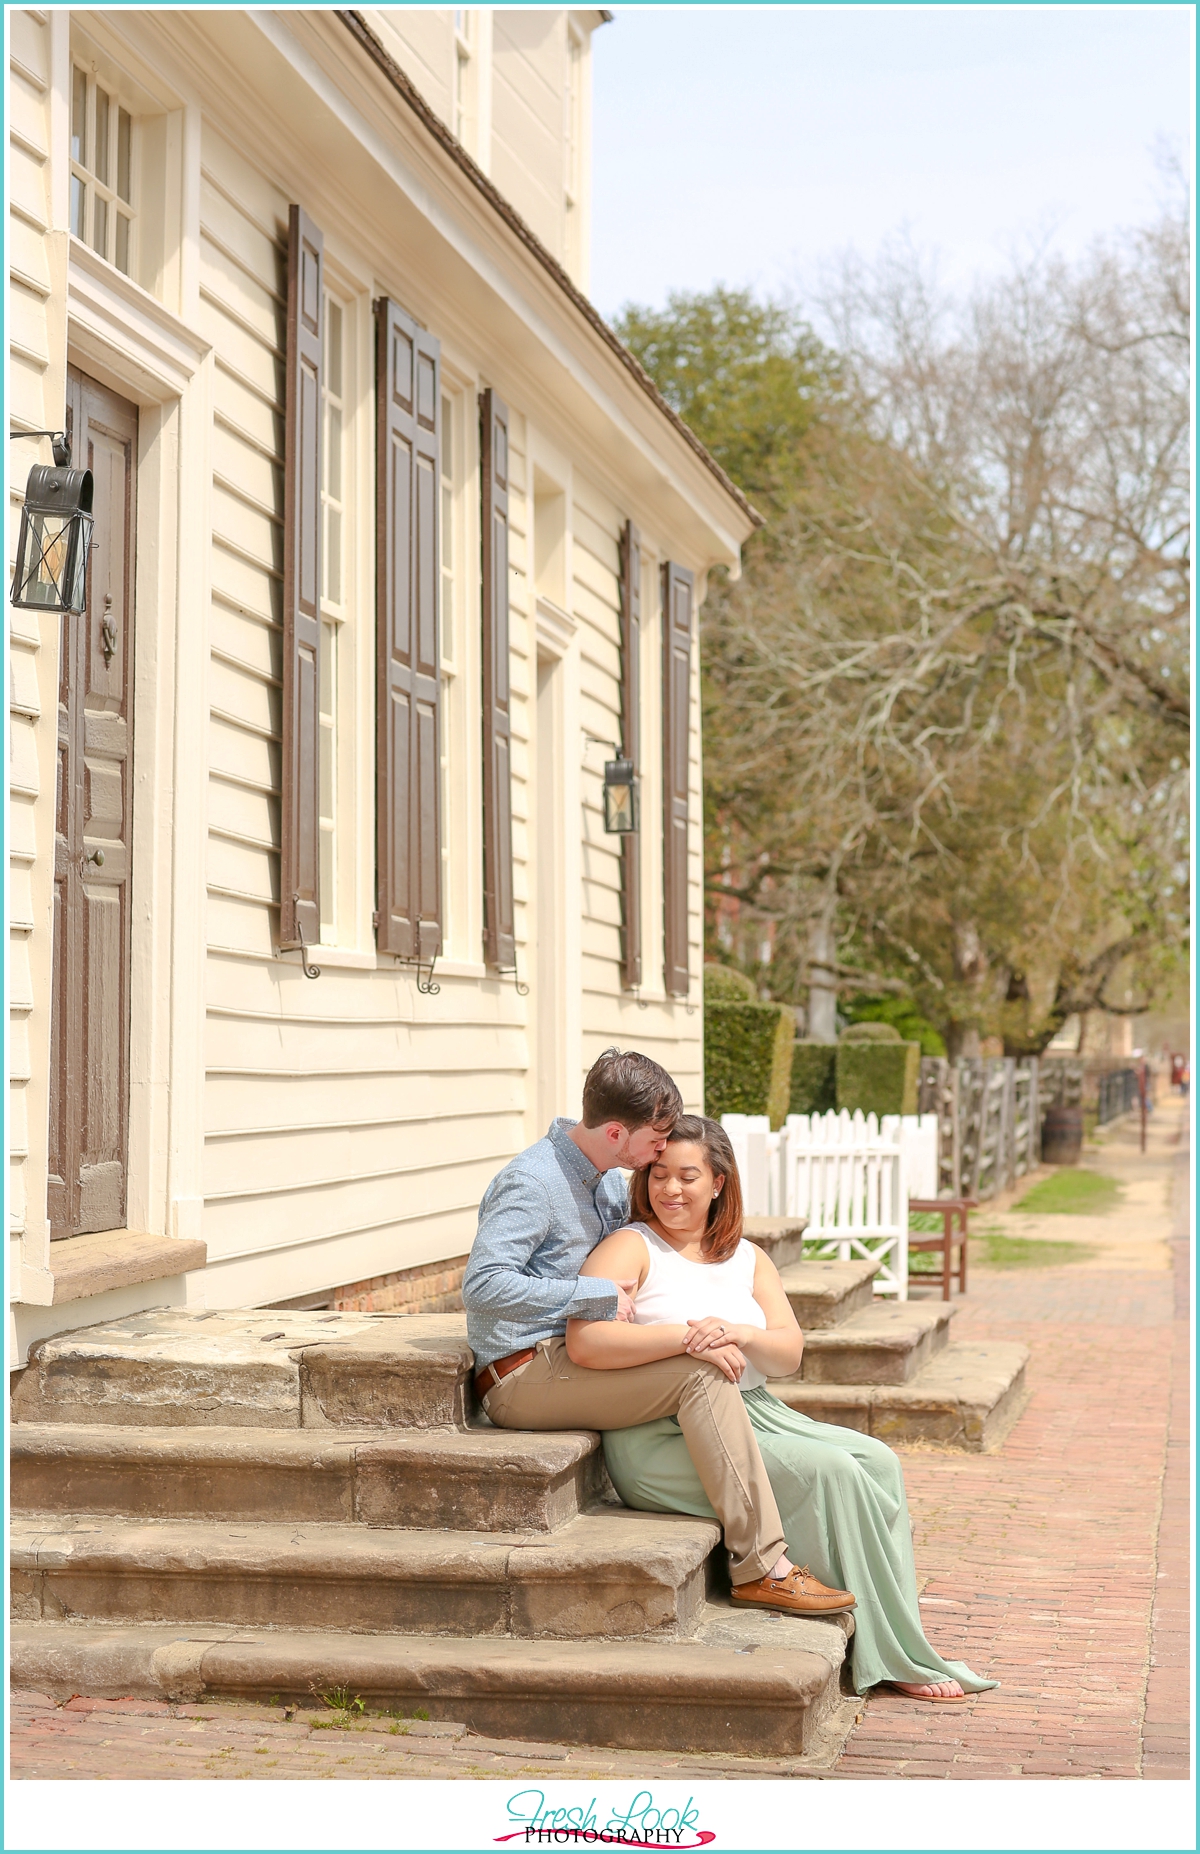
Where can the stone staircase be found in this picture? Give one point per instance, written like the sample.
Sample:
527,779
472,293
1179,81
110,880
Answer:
256,1505
888,1368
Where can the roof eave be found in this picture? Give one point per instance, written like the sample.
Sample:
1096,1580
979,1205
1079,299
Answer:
407,90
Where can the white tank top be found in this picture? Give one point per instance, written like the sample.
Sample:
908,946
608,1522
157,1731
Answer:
676,1290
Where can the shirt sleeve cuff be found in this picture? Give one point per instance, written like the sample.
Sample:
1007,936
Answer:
594,1300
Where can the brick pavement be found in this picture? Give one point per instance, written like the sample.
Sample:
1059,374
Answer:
89,1739
1060,1564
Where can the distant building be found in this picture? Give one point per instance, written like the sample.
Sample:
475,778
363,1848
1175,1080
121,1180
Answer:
395,548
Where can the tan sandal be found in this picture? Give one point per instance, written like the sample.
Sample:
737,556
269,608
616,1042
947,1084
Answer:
927,1699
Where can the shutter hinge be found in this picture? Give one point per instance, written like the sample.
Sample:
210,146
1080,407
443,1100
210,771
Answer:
375,921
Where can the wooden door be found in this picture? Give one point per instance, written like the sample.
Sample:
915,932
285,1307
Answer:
89,1078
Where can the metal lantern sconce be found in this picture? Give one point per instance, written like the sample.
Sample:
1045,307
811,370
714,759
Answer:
56,533
620,797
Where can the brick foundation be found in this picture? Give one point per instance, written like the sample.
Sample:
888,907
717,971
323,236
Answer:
432,1287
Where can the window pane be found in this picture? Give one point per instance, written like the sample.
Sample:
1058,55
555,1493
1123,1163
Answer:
447,529
333,455
333,347
333,556
78,116
122,259
100,227
100,168
124,156
78,204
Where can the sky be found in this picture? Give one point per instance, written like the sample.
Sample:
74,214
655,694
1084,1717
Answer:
753,145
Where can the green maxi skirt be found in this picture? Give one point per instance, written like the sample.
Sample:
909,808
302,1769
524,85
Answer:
841,1499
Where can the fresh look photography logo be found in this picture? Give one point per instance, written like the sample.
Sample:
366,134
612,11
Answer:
645,1823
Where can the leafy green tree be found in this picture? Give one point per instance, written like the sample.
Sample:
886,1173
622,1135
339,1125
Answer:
749,377
945,707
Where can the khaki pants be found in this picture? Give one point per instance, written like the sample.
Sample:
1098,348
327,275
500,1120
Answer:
552,1393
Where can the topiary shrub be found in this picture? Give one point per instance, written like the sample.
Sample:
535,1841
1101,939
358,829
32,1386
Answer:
748,1059
902,1014
726,985
871,1032
877,1075
814,1078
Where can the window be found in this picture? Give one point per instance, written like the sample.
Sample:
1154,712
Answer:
333,599
464,75
572,140
102,171
448,535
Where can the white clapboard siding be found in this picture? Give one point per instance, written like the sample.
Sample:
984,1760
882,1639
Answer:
660,1028
351,1124
528,81
34,400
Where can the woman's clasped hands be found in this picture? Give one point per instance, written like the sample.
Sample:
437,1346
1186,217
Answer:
719,1344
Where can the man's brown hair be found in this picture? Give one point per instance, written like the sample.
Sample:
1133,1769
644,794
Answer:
631,1089
724,1231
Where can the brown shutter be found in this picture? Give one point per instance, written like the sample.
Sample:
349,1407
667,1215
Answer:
677,662
300,862
631,711
408,771
499,928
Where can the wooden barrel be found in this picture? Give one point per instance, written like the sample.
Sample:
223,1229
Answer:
1062,1135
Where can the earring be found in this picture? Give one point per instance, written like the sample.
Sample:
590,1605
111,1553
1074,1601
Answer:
716,1194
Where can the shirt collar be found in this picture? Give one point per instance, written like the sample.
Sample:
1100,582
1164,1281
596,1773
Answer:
569,1155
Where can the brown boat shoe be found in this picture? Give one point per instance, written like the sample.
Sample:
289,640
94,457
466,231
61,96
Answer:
799,1592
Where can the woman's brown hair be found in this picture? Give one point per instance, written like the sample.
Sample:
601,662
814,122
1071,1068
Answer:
724,1230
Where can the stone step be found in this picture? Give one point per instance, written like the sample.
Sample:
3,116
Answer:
486,1480
780,1238
747,1685
967,1397
823,1294
888,1342
253,1370
611,1573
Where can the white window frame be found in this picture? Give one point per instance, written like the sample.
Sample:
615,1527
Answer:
339,825
573,144
87,186
464,94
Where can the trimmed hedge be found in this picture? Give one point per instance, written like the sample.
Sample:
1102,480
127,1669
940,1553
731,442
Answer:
878,1077
748,1059
814,1078
726,985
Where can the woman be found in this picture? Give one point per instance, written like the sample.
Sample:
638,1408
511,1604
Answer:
840,1494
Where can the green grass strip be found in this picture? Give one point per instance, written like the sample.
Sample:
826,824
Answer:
1000,1251
1072,1193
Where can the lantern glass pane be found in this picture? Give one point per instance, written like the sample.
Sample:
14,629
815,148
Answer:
122,259
75,591
100,227
43,559
78,205
618,807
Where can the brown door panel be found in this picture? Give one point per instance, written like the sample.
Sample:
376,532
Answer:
89,1093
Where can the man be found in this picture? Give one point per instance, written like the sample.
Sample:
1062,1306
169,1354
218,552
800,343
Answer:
539,1219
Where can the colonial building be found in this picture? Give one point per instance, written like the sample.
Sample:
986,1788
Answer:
314,918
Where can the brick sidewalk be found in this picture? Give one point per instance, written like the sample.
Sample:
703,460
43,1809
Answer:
1060,1564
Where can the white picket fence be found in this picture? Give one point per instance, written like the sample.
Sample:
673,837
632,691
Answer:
850,1175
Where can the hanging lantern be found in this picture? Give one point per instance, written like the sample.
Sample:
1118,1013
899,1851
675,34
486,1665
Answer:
56,533
620,797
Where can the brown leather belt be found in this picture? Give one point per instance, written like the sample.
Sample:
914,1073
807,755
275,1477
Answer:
490,1376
